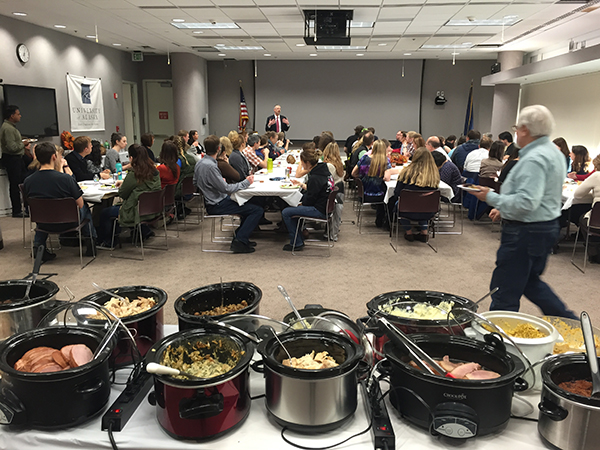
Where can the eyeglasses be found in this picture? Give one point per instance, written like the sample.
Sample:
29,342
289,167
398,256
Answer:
515,127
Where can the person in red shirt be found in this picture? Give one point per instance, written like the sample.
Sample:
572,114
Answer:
168,168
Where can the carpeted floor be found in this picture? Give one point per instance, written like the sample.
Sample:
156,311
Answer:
360,267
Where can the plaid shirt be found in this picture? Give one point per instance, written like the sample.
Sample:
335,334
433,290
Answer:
251,157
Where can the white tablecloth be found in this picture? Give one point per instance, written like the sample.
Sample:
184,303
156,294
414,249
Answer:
263,186
445,189
94,192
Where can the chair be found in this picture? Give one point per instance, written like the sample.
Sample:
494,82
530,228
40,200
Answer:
150,203
47,211
359,201
417,202
589,228
188,188
454,209
492,184
327,221
24,206
214,239
170,204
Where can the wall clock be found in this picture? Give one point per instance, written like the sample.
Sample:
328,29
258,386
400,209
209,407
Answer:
23,53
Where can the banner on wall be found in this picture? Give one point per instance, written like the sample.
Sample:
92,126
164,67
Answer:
85,103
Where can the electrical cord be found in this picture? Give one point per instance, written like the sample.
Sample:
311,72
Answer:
258,396
111,437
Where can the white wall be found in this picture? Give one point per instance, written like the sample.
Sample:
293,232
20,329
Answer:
575,104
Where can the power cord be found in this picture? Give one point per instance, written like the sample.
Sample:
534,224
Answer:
111,437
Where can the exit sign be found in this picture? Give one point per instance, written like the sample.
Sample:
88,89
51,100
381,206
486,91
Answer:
163,115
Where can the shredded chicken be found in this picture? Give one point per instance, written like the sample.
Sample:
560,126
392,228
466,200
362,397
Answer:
310,361
125,308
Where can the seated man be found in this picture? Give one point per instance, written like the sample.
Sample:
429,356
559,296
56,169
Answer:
449,174
274,150
49,183
250,152
82,146
216,196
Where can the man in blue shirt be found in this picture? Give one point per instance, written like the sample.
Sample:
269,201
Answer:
460,153
529,205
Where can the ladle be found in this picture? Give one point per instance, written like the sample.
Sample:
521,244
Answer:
112,294
590,348
289,300
159,369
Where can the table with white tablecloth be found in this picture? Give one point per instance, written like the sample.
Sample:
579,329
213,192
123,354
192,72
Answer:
445,189
269,184
95,192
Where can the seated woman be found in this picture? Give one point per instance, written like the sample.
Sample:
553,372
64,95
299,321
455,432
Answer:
590,187
564,148
374,171
230,174
94,161
580,158
168,168
492,165
314,199
142,177
187,163
421,175
300,170
331,156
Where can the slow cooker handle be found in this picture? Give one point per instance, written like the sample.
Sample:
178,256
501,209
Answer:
90,390
552,410
12,411
201,406
520,384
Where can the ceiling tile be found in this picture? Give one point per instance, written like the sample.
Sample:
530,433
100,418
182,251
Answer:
365,14
256,29
285,11
479,12
317,4
150,2
390,27
206,14
408,12
404,2
361,31
184,3
242,14
233,2
274,2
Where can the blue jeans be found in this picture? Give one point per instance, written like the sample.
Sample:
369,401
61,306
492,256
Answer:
520,261
84,213
406,223
291,224
251,215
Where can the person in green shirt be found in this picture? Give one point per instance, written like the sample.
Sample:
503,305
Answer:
13,148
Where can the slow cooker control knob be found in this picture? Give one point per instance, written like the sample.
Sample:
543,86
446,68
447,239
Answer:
12,411
454,420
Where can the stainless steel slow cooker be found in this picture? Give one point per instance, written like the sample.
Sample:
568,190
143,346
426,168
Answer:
568,421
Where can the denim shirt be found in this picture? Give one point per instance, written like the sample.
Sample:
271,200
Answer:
532,190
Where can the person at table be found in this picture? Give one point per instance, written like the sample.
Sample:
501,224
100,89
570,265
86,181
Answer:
277,122
195,147
449,174
186,164
400,138
409,148
460,153
217,200
590,187
492,165
308,146
230,174
283,142
82,147
350,140
249,152
143,176
580,165
473,160
94,161
374,171
331,156
529,205
48,182
315,193
510,147
421,175
12,147
238,160
562,145
449,142
147,141
112,157
274,150
168,169
433,144
359,152
508,166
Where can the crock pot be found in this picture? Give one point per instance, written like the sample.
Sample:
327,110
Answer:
568,421
311,400
200,409
56,399
24,315
146,327
207,297
456,408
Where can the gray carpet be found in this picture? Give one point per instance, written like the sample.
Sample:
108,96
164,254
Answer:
360,267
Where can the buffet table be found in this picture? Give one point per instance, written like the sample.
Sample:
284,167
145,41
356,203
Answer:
260,433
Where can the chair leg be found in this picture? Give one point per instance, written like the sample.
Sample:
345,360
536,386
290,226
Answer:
573,254
165,228
431,234
394,224
300,221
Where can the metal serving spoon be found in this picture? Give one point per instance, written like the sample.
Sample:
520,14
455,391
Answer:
289,300
112,294
590,348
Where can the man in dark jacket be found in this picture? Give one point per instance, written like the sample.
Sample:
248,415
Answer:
82,146
460,154
277,122
314,200
511,148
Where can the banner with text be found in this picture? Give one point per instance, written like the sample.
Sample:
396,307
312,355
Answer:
85,103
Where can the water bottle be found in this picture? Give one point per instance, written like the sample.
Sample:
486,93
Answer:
96,178
106,145
269,165
119,170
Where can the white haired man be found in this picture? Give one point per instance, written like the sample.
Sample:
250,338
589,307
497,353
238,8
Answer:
529,205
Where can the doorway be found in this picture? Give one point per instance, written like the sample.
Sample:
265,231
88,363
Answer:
158,101
131,112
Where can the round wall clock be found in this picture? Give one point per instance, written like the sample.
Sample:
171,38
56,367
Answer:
23,53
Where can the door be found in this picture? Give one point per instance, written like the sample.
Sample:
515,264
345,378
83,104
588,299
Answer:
130,112
159,108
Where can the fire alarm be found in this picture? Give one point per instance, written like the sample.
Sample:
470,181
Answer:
116,95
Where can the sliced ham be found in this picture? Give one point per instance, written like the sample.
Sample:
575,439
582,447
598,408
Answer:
33,351
50,367
464,369
80,355
66,352
59,359
448,365
482,375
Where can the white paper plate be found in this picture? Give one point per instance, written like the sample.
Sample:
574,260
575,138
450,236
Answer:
471,189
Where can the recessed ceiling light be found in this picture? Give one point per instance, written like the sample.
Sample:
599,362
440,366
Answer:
300,45
360,54
267,54
354,24
407,54
60,26
219,45
198,32
178,20
208,25
455,53
19,14
313,54
117,45
341,47
472,22
239,47
383,44
91,36
222,54
451,46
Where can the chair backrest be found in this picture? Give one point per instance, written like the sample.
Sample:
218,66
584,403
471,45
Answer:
23,195
489,182
53,210
151,202
360,189
594,221
170,194
331,201
187,186
419,201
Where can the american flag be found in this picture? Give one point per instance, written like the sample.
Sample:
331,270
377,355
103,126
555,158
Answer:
243,111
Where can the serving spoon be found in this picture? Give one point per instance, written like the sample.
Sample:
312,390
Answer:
112,294
590,349
289,300
159,369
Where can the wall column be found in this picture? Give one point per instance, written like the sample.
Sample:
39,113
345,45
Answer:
506,96
190,97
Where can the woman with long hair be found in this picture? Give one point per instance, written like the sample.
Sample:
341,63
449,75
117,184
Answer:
119,143
331,156
421,175
168,169
564,148
195,148
373,171
580,158
142,177
492,165
230,174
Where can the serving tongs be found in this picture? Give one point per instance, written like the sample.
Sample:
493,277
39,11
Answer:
590,349
421,359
